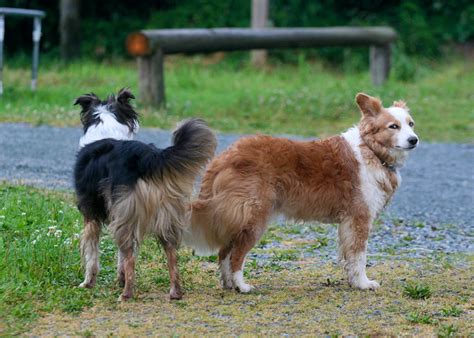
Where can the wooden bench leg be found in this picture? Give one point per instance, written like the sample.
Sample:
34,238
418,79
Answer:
379,63
151,78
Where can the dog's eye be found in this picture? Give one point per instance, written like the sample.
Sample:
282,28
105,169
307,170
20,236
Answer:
393,126
411,124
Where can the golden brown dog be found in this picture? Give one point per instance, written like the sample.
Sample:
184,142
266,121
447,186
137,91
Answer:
345,179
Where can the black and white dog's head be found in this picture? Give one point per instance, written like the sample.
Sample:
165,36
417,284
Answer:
112,118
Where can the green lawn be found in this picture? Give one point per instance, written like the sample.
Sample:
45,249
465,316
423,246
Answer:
306,99
40,269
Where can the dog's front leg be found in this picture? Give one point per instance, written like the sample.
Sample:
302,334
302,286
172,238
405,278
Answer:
353,236
90,252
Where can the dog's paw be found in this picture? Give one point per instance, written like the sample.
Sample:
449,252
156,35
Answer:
244,288
124,298
86,285
176,294
366,284
227,284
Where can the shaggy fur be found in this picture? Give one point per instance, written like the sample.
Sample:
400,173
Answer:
138,189
345,179
112,118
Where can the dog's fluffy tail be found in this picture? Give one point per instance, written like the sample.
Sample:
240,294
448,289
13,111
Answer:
194,144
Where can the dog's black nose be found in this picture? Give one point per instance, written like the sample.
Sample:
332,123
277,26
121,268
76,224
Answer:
413,140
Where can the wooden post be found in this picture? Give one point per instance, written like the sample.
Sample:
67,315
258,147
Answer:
259,20
69,30
152,78
379,63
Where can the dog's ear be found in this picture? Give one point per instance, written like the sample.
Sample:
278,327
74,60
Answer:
368,105
87,100
124,96
401,104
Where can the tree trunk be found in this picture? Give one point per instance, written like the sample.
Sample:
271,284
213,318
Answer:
69,29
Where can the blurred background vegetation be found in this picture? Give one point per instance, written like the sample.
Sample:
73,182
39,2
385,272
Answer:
305,92
426,28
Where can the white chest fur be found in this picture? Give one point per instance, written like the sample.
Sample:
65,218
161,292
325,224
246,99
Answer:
372,178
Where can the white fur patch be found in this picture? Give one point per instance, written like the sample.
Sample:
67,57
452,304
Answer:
357,275
91,262
109,127
374,196
195,238
238,278
405,130
226,273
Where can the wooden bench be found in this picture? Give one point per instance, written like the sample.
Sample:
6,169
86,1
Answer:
150,47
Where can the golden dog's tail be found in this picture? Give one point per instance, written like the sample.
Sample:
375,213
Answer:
220,213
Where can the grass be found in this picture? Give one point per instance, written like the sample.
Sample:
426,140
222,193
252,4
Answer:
419,318
417,291
307,99
40,267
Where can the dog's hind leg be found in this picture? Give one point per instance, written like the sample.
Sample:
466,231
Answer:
90,252
353,236
128,264
120,269
242,244
175,283
224,266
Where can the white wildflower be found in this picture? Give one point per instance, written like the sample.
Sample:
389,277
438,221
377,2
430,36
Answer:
51,230
58,233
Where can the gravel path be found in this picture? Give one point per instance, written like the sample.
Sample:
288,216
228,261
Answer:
437,188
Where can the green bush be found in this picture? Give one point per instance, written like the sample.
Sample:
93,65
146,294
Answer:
423,26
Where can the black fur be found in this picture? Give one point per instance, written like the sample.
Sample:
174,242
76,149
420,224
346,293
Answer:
105,168
119,106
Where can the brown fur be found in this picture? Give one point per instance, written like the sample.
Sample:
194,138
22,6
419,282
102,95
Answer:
261,175
312,180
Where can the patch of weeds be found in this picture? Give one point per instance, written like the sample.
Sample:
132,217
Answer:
452,311
86,333
284,255
318,243
252,264
291,229
447,330
398,222
330,282
391,250
419,318
419,225
408,238
263,242
417,291
210,259
272,266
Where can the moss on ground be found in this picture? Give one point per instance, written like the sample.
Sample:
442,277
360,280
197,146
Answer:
307,299
299,287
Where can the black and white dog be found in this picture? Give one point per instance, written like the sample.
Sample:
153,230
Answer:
113,118
135,188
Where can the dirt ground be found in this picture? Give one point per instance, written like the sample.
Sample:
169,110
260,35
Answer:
310,298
